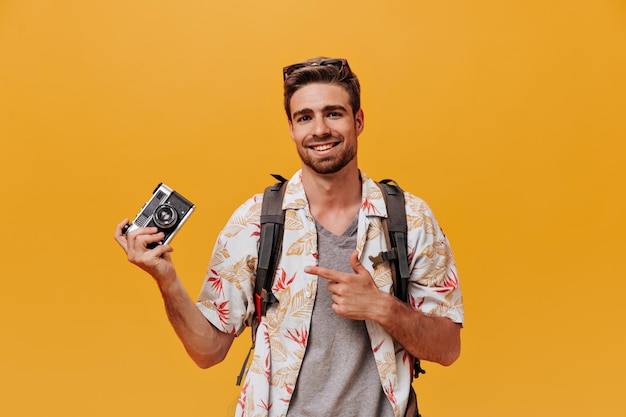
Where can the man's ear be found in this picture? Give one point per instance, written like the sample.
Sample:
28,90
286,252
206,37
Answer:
359,121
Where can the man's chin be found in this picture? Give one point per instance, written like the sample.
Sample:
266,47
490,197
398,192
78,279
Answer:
328,165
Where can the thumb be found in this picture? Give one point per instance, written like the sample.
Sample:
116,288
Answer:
356,264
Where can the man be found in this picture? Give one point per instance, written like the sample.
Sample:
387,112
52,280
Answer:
337,342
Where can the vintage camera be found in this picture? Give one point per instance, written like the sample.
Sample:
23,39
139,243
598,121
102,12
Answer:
167,210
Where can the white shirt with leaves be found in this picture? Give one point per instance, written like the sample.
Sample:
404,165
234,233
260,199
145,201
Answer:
226,298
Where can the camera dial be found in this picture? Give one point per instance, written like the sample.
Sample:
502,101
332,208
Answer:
165,216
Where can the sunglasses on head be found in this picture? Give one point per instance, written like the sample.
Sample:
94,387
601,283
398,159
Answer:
340,63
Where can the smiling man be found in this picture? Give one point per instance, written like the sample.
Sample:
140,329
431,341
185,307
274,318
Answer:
337,342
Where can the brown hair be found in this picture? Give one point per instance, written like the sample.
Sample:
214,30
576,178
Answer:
310,71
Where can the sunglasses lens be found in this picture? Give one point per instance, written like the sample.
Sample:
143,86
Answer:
334,62
291,68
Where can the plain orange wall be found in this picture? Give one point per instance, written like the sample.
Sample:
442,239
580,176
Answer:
507,117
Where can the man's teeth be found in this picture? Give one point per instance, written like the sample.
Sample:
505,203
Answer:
322,147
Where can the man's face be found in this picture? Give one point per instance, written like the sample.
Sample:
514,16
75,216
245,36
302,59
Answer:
323,127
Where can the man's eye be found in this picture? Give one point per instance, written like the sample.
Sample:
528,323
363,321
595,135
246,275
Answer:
334,114
304,118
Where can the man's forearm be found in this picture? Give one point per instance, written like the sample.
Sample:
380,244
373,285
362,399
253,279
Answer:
435,339
206,345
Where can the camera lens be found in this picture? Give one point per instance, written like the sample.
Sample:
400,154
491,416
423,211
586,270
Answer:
165,216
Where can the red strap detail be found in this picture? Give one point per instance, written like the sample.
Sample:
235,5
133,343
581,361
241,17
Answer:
257,302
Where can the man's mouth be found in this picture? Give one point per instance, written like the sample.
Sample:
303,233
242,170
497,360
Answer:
323,147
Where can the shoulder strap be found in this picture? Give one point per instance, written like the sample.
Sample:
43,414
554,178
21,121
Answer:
270,244
397,231
396,228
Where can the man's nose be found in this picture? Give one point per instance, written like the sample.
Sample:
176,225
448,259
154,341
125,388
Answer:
321,128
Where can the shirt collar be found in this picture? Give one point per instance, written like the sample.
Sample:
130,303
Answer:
372,201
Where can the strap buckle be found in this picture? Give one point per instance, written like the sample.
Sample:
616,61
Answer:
390,255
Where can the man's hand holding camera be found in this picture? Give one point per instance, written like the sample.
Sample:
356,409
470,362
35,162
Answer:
157,261
146,239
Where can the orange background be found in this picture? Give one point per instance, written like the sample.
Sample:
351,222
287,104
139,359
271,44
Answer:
507,117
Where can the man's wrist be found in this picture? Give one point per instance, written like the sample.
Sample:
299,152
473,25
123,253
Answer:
168,285
384,309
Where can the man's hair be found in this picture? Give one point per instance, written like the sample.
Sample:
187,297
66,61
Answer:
311,72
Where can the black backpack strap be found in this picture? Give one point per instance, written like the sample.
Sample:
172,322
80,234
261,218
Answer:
395,226
270,244
397,230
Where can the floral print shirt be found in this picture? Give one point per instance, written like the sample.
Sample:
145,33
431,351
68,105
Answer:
226,298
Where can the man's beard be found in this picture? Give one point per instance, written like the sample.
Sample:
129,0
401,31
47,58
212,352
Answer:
330,164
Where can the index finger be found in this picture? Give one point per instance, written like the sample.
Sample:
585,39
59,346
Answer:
119,233
326,273
120,227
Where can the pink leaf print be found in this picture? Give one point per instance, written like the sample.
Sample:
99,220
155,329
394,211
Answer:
267,367
216,282
368,207
450,283
300,337
411,254
405,355
222,311
243,395
407,358
289,390
413,302
282,281
256,232
377,347
265,406
391,393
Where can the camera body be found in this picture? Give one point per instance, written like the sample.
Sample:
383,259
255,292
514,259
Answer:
167,210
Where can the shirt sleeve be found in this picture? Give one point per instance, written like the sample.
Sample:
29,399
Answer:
226,296
434,287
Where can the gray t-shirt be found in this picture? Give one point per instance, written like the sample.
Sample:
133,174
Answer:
338,377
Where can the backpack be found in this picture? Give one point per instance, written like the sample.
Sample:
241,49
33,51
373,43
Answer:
271,239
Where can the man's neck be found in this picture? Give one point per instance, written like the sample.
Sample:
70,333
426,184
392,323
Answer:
334,199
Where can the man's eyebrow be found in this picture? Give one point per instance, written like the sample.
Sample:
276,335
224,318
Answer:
302,112
325,109
333,107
